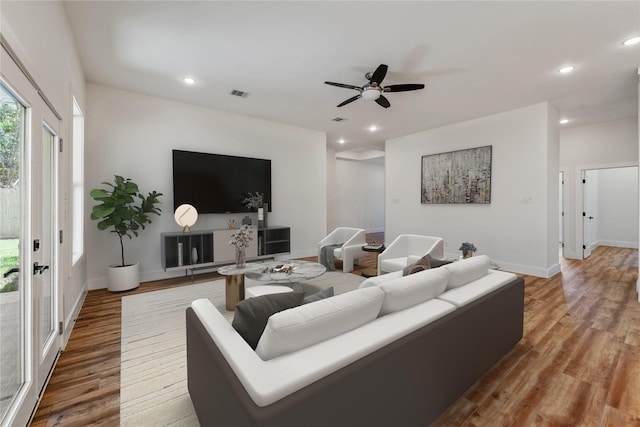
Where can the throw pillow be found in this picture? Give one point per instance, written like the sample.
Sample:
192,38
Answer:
252,314
434,262
421,265
325,293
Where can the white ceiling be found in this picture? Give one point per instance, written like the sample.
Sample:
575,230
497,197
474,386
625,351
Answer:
476,58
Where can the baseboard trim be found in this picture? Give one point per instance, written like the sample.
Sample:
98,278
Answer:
70,321
618,244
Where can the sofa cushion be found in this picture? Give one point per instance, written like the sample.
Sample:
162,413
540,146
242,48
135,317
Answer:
463,295
467,270
325,293
379,280
413,289
251,315
308,324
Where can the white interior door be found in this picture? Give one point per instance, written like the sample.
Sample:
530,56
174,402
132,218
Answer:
561,213
589,211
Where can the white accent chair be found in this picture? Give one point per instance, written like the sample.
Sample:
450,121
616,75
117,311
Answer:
352,240
407,249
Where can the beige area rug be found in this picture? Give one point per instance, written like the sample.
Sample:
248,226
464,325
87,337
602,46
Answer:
153,378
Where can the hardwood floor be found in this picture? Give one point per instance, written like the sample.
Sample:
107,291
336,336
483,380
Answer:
577,365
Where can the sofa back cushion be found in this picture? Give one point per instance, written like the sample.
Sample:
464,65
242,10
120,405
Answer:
467,270
251,315
413,289
302,326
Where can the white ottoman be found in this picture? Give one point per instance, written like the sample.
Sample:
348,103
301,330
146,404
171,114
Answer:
256,291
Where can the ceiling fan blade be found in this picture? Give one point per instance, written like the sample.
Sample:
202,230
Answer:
350,100
383,102
344,85
378,75
403,88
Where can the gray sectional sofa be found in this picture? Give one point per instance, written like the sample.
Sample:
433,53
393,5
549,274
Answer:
432,336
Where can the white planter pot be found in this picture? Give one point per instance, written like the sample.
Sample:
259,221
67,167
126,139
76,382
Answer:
123,278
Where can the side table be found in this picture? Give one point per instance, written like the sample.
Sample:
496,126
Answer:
371,272
234,283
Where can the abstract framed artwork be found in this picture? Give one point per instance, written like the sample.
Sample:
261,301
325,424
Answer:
455,177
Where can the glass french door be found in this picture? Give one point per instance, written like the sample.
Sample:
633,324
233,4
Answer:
13,295
30,303
43,226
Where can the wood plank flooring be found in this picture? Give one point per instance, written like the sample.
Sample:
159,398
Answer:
577,365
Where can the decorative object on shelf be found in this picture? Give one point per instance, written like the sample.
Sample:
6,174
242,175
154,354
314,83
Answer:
185,216
240,239
123,210
180,253
262,215
462,176
246,220
467,250
254,201
232,224
194,255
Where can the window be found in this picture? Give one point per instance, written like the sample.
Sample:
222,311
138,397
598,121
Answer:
77,246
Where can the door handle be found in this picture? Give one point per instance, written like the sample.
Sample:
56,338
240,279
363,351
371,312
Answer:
39,269
11,271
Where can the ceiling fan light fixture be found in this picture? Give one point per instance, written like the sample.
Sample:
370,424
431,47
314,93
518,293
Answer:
371,93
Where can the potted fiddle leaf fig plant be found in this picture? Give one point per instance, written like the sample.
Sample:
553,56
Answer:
123,210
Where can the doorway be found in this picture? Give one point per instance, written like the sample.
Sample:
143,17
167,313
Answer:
610,208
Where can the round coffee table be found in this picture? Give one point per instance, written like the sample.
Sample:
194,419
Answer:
278,272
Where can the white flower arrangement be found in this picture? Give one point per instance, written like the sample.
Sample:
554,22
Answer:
241,237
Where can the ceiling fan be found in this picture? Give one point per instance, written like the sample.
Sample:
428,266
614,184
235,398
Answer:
374,89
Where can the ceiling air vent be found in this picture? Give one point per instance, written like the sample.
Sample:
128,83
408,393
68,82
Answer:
339,119
239,93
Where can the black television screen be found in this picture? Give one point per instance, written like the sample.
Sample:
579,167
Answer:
216,183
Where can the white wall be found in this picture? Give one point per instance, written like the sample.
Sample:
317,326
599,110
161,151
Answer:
618,207
603,145
359,194
519,237
132,135
40,35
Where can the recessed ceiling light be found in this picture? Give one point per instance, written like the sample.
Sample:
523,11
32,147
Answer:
189,80
373,128
564,121
632,41
567,69
341,141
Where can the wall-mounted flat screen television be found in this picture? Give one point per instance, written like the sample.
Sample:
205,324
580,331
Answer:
216,183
